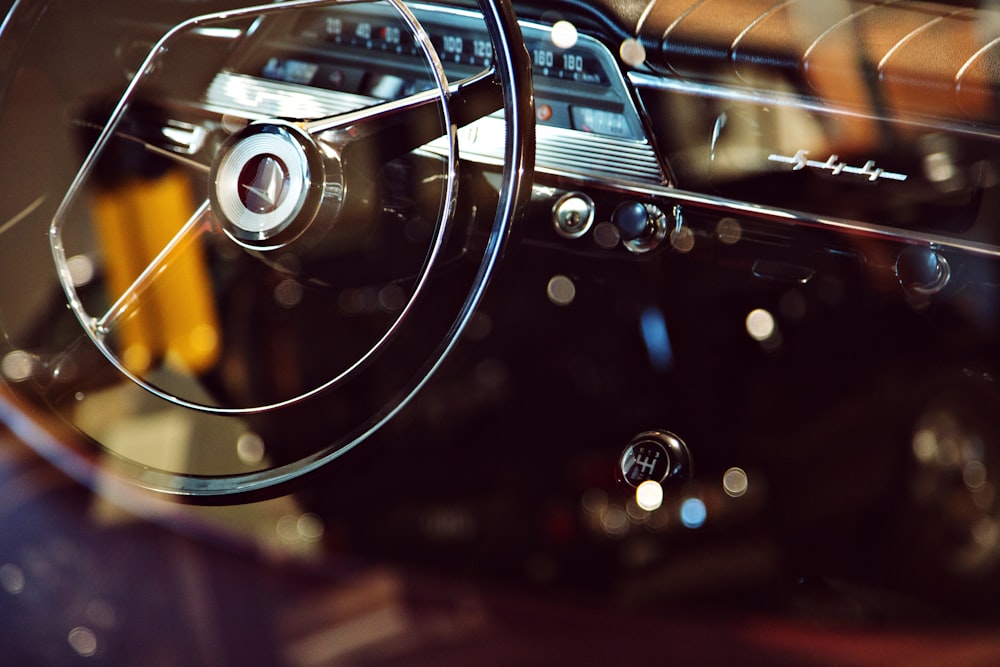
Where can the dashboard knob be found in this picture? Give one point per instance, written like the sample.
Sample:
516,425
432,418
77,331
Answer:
573,214
655,455
632,220
641,227
922,271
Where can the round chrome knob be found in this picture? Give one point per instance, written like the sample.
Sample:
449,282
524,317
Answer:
922,270
632,220
573,215
642,227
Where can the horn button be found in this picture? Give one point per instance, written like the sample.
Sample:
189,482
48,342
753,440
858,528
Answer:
268,183
263,184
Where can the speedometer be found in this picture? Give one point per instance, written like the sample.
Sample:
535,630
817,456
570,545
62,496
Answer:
459,41
347,56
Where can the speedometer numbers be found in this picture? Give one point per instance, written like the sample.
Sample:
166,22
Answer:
360,33
464,49
368,32
342,49
455,43
569,64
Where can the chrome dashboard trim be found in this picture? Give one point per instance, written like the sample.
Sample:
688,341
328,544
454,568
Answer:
216,32
236,94
731,93
678,196
566,153
559,152
835,166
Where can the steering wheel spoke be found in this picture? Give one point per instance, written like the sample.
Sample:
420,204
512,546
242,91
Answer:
396,127
132,296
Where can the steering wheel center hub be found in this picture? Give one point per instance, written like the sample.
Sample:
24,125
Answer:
267,185
263,184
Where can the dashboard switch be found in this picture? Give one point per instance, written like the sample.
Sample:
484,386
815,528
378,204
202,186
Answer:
921,271
642,227
655,456
573,214
631,218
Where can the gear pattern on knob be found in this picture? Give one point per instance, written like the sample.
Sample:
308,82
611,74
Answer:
656,456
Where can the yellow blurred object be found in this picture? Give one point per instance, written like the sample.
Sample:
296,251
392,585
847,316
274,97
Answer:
175,320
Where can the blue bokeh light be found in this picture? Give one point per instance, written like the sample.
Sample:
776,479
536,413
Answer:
693,513
657,339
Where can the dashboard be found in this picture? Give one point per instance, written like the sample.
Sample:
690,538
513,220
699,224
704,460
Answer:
588,124
746,252
821,157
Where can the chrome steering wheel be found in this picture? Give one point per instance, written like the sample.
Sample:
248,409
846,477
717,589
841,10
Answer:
291,210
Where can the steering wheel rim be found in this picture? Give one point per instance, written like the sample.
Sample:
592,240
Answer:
254,231
511,69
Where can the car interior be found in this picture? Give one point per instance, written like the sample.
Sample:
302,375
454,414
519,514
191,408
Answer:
500,332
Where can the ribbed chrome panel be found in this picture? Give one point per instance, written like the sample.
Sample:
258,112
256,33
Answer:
596,156
253,97
561,152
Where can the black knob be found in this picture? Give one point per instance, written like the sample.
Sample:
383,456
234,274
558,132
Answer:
921,270
656,456
632,219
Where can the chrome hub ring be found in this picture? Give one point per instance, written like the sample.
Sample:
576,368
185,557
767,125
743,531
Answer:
261,185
